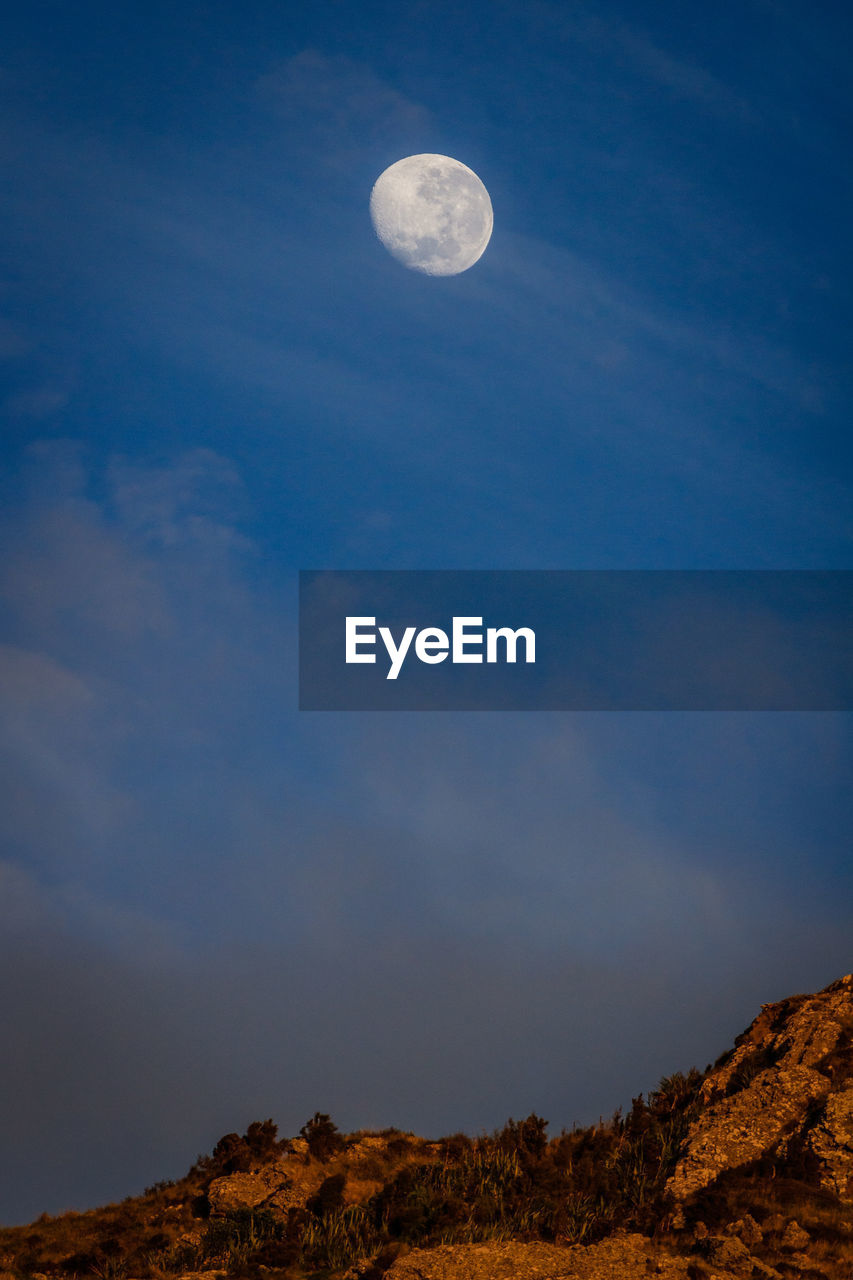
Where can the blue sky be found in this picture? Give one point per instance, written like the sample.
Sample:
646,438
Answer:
212,375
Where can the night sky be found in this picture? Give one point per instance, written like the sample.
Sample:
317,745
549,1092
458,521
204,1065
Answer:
215,908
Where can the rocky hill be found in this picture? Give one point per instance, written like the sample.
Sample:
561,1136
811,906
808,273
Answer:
743,1170
785,1093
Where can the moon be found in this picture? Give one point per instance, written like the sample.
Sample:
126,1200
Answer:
432,213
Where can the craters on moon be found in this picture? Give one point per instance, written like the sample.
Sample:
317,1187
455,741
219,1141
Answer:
432,213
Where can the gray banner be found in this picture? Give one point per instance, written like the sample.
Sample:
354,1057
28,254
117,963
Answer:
576,640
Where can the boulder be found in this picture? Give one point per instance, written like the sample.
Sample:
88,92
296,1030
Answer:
795,1239
831,1143
731,1254
786,1086
747,1230
742,1128
268,1187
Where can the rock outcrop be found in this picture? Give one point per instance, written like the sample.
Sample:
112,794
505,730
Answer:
272,1186
628,1257
290,1181
830,1141
786,1091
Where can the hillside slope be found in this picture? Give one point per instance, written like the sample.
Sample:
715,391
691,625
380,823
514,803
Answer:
743,1170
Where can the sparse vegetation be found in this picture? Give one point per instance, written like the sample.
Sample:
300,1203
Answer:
266,1209
750,1066
773,1200
233,1154
322,1136
515,1184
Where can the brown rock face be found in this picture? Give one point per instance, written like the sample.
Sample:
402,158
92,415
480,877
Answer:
269,1187
795,1238
628,1257
788,1084
831,1142
747,1230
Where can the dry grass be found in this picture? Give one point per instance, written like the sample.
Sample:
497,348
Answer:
774,1201
377,1193
104,1242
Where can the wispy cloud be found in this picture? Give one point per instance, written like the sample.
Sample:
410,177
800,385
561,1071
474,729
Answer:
195,500
203,895
38,402
685,79
335,104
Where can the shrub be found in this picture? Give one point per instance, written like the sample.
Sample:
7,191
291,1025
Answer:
322,1136
233,1154
329,1197
262,1140
527,1137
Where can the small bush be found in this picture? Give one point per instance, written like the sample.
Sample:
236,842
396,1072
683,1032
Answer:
527,1137
329,1197
231,1155
262,1140
235,1154
322,1136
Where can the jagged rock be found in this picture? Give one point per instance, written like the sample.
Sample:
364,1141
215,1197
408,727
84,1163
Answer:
799,1031
771,1090
831,1143
747,1230
732,1253
628,1257
268,1187
366,1145
742,1128
729,1252
795,1238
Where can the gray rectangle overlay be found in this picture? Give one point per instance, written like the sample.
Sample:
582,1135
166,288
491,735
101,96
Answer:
612,640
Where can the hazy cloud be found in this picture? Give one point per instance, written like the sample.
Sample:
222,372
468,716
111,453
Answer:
214,909
685,79
197,499
337,104
42,402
